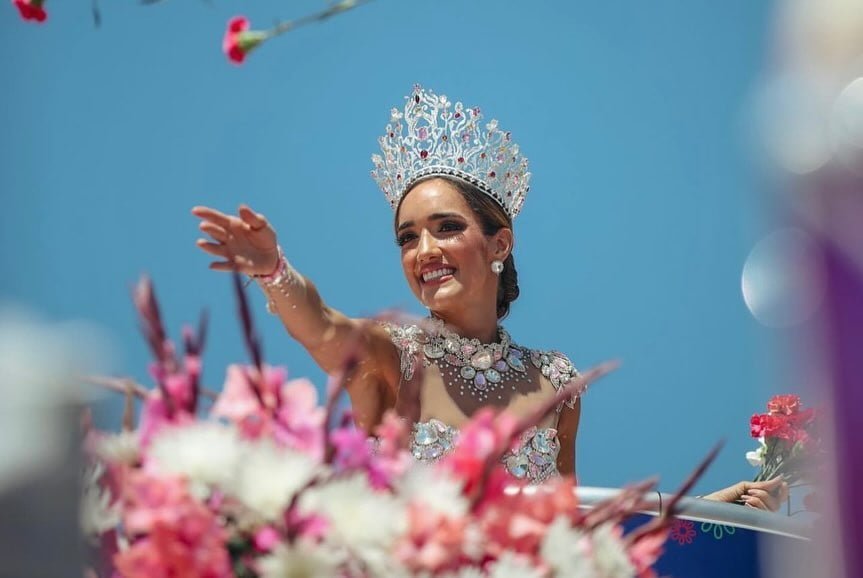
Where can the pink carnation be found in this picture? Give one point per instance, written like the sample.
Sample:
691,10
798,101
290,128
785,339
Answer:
433,542
518,522
483,439
176,535
290,413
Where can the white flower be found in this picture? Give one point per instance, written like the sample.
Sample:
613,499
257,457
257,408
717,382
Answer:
365,521
434,488
756,457
119,448
512,566
300,560
567,550
609,553
96,515
206,453
268,477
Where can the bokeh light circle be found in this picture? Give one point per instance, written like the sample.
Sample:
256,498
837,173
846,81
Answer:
792,122
782,282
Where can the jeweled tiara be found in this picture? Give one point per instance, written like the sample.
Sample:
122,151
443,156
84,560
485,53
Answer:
434,137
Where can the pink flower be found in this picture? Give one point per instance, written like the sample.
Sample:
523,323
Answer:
433,542
518,522
391,458
313,527
237,402
266,538
683,532
239,40
155,415
290,414
647,549
31,9
353,451
485,437
300,418
176,535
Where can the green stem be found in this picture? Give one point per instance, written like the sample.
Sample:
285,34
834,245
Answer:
337,8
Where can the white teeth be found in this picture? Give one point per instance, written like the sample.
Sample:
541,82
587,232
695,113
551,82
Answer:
437,273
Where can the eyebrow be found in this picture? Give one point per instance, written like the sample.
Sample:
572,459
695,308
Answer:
433,217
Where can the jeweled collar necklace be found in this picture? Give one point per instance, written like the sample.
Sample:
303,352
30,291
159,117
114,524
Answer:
479,369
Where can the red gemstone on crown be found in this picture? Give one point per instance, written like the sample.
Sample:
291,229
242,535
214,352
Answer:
424,154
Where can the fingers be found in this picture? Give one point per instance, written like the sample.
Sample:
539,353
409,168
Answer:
761,499
777,487
214,231
216,217
212,248
255,221
783,492
231,264
753,502
223,266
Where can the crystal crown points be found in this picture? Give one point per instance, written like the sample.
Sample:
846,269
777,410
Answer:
433,136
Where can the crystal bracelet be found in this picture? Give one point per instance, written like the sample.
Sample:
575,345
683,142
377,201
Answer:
282,280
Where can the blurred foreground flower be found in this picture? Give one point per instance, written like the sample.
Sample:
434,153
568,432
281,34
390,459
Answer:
31,9
239,40
258,484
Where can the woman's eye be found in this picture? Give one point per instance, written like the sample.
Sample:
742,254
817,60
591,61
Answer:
451,226
404,239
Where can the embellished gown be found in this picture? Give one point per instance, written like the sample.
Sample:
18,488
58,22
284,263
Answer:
456,377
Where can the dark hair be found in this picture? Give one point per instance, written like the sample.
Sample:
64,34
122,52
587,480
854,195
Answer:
492,218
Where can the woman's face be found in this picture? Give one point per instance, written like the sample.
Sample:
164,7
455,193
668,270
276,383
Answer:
446,257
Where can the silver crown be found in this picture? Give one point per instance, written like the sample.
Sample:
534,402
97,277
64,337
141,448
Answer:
434,137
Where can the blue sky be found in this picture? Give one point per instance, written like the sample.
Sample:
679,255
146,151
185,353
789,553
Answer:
643,207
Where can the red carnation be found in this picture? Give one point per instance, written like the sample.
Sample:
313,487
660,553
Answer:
784,404
802,419
31,9
239,40
771,426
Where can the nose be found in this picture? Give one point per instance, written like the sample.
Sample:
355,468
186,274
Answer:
427,248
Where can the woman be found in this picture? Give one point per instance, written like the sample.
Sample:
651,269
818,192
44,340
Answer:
455,186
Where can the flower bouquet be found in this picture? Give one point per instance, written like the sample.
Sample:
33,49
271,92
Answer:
789,440
253,482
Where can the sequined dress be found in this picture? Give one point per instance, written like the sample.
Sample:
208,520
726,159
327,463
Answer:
445,378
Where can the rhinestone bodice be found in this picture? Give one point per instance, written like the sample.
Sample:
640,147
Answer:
454,370
477,370
533,458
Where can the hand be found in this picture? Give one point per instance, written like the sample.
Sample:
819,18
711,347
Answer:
246,243
762,495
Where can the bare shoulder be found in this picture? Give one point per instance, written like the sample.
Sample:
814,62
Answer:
557,368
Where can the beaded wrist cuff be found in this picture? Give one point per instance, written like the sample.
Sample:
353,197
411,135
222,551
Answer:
280,264
284,280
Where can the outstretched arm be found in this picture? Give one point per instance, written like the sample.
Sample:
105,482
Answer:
246,242
567,428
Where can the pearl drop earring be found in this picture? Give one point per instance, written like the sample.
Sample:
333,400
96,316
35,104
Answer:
497,267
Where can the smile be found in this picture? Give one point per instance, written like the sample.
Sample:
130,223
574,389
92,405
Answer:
437,274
